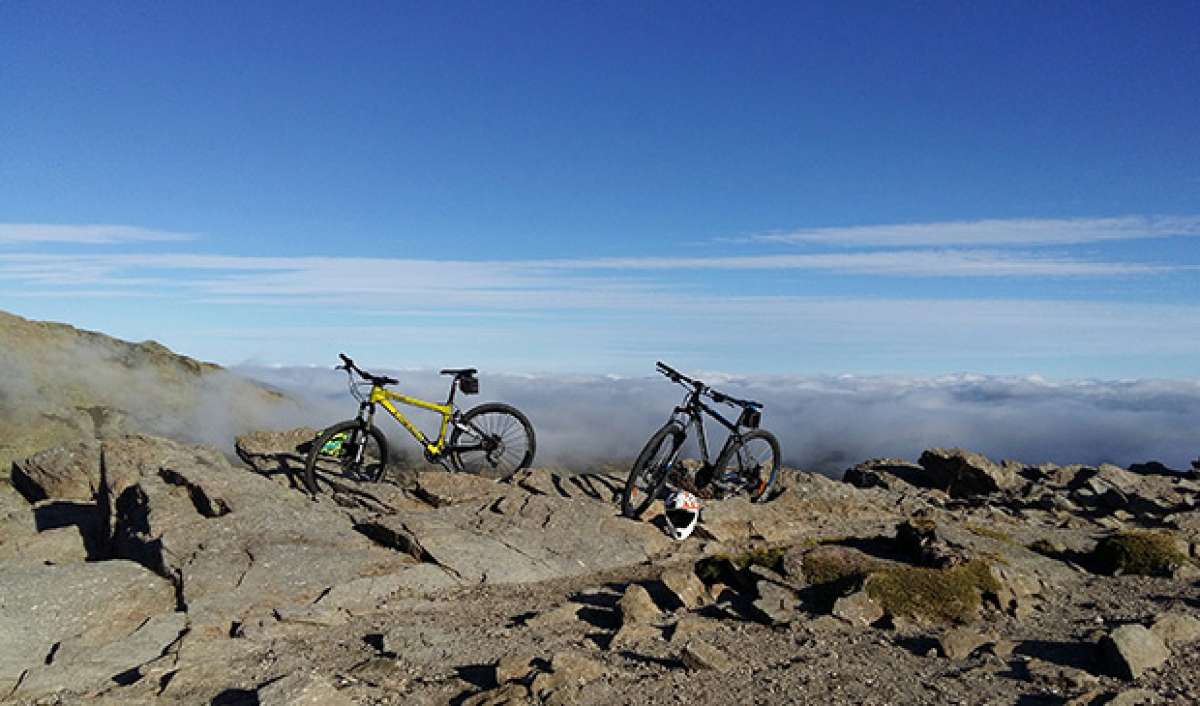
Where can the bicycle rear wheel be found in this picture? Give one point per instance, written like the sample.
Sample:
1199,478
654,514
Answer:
349,449
492,440
649,471
752,463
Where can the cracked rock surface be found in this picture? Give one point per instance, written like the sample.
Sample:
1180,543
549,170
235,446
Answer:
140,570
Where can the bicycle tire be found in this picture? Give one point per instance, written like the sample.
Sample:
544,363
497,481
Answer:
506,427
635,500
765,455
328,461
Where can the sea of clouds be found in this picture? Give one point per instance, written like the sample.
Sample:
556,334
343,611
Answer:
824,423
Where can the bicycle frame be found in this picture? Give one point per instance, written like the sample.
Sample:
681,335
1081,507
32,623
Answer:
691,413
384,398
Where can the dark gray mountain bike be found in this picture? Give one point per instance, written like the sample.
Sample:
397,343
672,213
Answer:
748,462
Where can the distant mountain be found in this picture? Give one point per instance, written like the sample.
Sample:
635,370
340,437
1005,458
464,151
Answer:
59,383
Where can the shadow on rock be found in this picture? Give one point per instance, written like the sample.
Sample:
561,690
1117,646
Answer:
88,518
1078,655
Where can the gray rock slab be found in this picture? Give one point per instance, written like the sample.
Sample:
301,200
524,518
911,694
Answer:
88,606
1130,650
81,668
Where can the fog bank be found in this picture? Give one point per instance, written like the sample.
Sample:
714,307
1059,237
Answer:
824,423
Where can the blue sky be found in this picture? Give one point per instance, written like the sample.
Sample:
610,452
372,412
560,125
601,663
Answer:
1007,188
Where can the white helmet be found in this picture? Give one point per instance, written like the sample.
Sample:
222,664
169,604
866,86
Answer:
682,512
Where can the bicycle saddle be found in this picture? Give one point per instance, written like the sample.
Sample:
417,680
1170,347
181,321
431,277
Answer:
459,371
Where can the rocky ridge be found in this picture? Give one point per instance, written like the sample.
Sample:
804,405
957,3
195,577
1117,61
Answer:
62,383
141,569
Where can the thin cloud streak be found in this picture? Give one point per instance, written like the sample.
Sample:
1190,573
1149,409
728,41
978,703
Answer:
90,234
276,277
934,263
1015,231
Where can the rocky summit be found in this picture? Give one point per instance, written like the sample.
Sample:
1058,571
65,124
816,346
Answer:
138,569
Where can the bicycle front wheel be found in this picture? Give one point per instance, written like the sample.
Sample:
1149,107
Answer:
492,440
649,471
349,449
754,462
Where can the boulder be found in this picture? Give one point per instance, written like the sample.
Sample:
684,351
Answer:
698,655
271,452
958,643
569,671
775,605
576,667
514,667
886,473
561,615
1131,650
65,473
965,474
1015,590
637,607
918,539
686,586
857,609
691,625
1059,679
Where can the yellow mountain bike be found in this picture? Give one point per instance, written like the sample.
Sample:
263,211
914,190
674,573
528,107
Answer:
493,439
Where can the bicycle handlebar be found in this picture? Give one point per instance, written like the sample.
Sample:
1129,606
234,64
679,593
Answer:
676,376
349,366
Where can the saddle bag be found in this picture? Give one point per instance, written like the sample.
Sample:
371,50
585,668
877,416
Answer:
750,418
468,385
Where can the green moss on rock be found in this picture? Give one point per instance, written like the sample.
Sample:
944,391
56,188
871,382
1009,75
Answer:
717,568
836,564
941,595
992,533
1141,553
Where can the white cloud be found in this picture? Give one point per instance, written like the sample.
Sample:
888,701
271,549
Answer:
11,233
1016,231
925,263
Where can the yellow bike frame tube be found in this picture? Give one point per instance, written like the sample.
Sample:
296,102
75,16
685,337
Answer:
384,397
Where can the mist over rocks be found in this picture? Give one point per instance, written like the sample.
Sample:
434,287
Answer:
58,383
